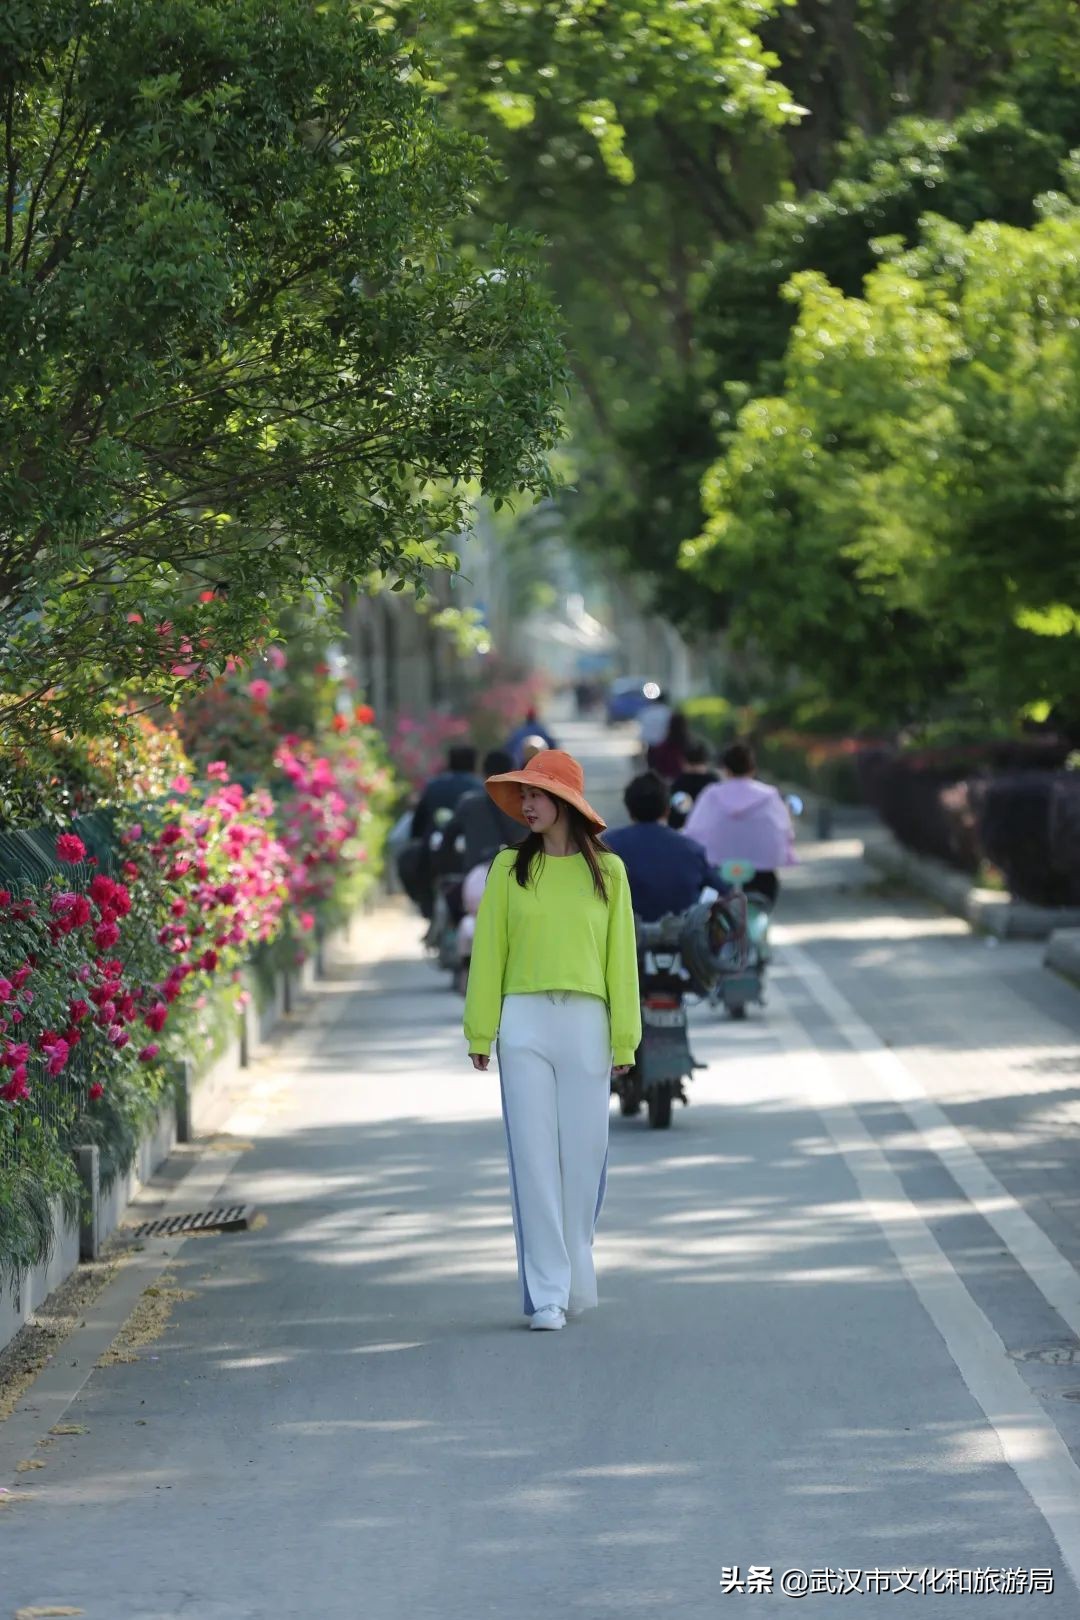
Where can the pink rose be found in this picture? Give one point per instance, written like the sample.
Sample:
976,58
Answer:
259,691
149,1053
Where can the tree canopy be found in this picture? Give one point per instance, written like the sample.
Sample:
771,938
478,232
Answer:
712,181
245,347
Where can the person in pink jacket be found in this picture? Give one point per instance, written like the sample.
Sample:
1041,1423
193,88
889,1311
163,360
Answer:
742,819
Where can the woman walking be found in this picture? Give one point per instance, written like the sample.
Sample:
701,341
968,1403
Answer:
554,976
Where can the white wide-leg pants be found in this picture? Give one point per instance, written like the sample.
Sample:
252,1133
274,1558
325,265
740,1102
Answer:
555,1057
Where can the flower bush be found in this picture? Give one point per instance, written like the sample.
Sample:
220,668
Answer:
171,879
71,776
500,706
334,819
418,747
98,970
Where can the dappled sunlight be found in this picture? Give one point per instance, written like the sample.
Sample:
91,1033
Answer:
761,1382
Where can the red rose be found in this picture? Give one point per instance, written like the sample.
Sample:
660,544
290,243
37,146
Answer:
155,1018
70,848
16,1089
96,1090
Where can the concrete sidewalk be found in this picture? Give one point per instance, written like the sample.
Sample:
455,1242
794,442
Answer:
814,1348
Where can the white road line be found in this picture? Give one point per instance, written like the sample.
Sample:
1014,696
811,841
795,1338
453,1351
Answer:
1052,1274
1030,1443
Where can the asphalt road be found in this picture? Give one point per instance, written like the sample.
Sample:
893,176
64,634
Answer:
840,1317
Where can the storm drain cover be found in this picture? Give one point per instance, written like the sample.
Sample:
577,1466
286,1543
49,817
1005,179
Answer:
1063,1353
227,1218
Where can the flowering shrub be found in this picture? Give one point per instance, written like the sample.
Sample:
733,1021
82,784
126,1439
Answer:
333,816
225,720
499,708
418,747
95,964
69,776
304,690
106,970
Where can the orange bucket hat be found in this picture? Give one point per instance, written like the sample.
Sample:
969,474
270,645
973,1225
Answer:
553,772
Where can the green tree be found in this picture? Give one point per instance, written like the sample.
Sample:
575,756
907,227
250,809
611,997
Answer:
902,520
632,139
239,351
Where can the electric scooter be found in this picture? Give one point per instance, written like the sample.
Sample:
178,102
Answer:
740,985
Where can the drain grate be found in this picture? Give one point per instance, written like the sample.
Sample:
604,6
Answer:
227,1218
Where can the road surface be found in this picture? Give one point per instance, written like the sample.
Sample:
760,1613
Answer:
839,1328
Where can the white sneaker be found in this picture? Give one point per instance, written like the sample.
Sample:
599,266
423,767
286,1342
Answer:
548,1316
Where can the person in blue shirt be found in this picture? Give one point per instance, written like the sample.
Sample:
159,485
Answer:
530,727
667,870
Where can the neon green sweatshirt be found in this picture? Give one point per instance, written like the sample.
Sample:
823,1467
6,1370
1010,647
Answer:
555,935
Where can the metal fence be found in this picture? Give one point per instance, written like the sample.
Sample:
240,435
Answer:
27,861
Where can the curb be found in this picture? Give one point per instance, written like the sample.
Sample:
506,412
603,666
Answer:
986,909
1062,953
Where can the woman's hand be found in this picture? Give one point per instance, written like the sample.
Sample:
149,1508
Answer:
480,1060
621,1068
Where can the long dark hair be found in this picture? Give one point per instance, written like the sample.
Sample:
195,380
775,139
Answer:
582,834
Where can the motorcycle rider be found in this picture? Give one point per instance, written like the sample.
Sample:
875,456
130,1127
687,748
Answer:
667,870
530,727
696,775
442,792
742,819
485,828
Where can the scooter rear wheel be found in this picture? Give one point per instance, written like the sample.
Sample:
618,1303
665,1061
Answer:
660,1107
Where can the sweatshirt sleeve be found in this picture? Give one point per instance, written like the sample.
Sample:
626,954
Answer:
624,1001
483,995
781,817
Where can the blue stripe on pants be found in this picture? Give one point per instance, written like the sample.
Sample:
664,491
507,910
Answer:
518,1235
602,1189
